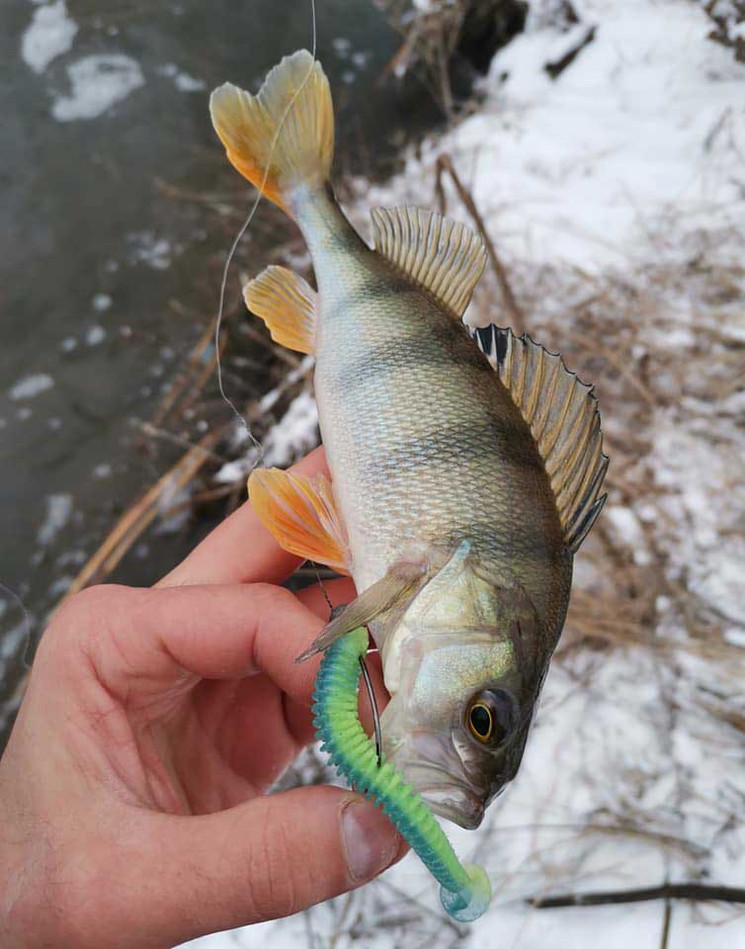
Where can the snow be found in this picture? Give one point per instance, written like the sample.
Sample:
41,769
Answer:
648,119
30,386
617,180
101,302
291,438
295,435
148,248
95,335
58,513
181,80
97,83
49,35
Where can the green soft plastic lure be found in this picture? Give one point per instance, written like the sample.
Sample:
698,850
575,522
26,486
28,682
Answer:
465,890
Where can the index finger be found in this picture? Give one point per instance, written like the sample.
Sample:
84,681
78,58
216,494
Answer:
153,638
241,549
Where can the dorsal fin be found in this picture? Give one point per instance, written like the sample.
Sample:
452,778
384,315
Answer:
443,256
563,415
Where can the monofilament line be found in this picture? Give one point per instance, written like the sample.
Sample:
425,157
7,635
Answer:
241,233
27,622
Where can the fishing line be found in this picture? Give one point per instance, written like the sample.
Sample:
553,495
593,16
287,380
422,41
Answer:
27,621
241,233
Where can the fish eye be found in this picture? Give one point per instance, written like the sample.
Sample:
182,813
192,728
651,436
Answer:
491,716
481,721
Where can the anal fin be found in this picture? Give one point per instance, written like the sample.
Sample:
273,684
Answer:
287,304
301,513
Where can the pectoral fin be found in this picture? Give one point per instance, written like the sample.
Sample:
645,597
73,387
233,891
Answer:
302,515
401,581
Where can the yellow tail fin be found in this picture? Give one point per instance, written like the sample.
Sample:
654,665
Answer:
284,136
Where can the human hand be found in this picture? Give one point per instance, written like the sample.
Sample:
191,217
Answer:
132,791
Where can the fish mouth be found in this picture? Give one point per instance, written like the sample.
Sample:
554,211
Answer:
446,791
454,803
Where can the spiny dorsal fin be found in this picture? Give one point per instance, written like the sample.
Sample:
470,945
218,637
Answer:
443,256
563,415
287,304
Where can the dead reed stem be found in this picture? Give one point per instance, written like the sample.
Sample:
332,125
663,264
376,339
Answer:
445,166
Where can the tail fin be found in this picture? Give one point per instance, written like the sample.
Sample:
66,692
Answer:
284,136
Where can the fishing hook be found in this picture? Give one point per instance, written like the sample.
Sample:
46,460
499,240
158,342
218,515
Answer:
334,612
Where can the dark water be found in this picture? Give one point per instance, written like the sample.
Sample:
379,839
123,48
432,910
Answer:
113,230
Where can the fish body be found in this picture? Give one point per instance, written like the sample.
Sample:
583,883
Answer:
465,472
424,444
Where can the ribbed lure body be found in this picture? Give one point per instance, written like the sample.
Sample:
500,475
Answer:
465,890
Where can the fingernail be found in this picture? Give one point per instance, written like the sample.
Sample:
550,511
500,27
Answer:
370,840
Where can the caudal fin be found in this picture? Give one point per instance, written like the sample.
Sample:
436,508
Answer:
284,136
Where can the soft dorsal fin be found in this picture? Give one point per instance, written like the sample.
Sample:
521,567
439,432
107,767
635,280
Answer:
563,415
287,304
443,256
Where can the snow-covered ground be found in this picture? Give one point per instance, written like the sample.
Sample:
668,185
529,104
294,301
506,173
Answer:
615,195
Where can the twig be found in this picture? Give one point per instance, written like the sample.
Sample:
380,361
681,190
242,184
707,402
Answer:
199,367
665,937
144,511
151,431
445,164
667,891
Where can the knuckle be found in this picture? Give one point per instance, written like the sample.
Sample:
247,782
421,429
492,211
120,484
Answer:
272,886
267,596
80,619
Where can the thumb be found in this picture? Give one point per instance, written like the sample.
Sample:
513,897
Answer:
269,857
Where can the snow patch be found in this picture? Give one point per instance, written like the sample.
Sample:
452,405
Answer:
101,302
582,170
97,83
295,435
95,335
50,34
181,80
147,248
59,510
31,386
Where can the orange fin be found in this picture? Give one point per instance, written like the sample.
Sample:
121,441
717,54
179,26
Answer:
287,304
302,515
282,138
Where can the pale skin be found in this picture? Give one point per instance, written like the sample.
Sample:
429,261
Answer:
133,809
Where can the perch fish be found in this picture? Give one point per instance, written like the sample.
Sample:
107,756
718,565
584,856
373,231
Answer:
466,467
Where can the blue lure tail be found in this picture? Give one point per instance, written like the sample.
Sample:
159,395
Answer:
465,889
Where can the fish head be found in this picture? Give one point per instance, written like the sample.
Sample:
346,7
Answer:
460,667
